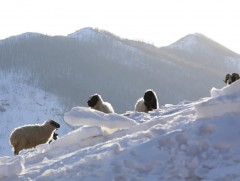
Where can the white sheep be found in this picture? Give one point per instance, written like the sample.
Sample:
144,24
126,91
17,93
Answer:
148,102
30,136
96,102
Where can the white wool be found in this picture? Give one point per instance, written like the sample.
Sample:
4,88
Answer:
103,106
140,106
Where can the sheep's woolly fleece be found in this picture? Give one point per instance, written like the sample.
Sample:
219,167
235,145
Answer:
189,141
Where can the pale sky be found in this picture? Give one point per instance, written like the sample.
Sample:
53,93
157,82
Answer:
160,22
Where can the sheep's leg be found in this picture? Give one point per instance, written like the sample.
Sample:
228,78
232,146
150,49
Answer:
16,152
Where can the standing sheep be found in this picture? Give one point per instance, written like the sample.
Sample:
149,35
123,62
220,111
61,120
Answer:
96,102
30,136
148,102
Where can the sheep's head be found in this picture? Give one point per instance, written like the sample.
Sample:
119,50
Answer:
231,78
53,123
150,100
55,135
93,100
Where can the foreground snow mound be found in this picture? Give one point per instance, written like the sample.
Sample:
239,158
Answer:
185,142
11,166
222,101
80,116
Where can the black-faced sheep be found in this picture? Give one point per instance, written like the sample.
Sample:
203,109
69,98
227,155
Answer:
231,78
148,102
96,102
30,136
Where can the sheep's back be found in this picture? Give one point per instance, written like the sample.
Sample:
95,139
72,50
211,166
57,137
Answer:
107,108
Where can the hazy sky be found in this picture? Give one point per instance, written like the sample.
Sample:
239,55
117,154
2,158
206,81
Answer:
160,22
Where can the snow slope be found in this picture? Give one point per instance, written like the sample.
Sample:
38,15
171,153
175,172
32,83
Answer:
189,141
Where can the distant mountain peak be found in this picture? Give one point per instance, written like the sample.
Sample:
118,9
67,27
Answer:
83,33
90,34
197,42
187,41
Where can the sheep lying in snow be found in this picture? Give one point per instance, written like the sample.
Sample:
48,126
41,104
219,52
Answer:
30,136
148,102
96,102
231,78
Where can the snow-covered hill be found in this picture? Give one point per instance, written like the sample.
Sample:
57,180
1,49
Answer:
188,141
22,104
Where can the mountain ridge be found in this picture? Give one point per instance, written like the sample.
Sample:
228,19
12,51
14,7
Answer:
89,31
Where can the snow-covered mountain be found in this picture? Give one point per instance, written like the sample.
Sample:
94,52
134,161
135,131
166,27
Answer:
92,61
188,141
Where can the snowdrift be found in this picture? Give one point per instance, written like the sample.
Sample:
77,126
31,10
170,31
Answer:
80,116
223,101
189,141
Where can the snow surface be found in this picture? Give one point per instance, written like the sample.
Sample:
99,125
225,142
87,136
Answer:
189,141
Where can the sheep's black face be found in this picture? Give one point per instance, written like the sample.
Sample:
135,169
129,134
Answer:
226,78
55,124
231,78
93,100
150,100
148,96
55,135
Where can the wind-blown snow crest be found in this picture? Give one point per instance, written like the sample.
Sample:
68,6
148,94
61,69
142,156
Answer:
181,142
80,116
